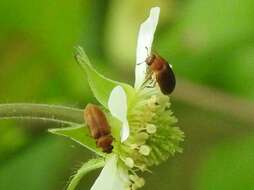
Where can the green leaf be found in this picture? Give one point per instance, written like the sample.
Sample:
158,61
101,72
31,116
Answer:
79,134
86,167
100,85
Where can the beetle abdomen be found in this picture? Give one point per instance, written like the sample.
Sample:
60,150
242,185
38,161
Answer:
98,127
166,79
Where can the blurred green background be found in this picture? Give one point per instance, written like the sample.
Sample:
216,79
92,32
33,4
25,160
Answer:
210,45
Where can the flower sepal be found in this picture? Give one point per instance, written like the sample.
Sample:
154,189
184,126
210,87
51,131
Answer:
99,84
79,134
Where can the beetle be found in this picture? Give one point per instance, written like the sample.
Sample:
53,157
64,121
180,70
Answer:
163,72
98,127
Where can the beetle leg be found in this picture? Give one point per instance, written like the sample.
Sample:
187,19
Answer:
140,63
147,78
151,84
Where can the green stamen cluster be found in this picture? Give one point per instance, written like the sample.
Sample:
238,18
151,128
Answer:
153,137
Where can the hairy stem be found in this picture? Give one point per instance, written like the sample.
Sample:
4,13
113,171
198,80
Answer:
87,167
60,114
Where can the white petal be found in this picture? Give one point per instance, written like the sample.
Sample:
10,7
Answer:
111,177
144,45
117,105
125,132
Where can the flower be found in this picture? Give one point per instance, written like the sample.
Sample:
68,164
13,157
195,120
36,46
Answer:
146,139
140,117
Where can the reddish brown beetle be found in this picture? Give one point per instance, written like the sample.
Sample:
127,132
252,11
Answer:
99,127
163,73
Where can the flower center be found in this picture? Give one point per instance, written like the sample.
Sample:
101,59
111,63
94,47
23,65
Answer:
153,136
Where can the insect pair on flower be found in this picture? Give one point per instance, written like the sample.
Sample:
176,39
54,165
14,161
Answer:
158,70
134,129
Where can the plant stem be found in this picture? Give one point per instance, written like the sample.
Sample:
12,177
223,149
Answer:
87,167
60,114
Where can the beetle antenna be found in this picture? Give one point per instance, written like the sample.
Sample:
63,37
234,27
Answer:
147,56
147,51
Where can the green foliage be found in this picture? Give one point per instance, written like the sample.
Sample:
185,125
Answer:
209,42
212,43
100,85
12,138
227,166
79,134
36,167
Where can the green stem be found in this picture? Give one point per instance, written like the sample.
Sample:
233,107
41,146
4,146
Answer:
87,167
60,114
